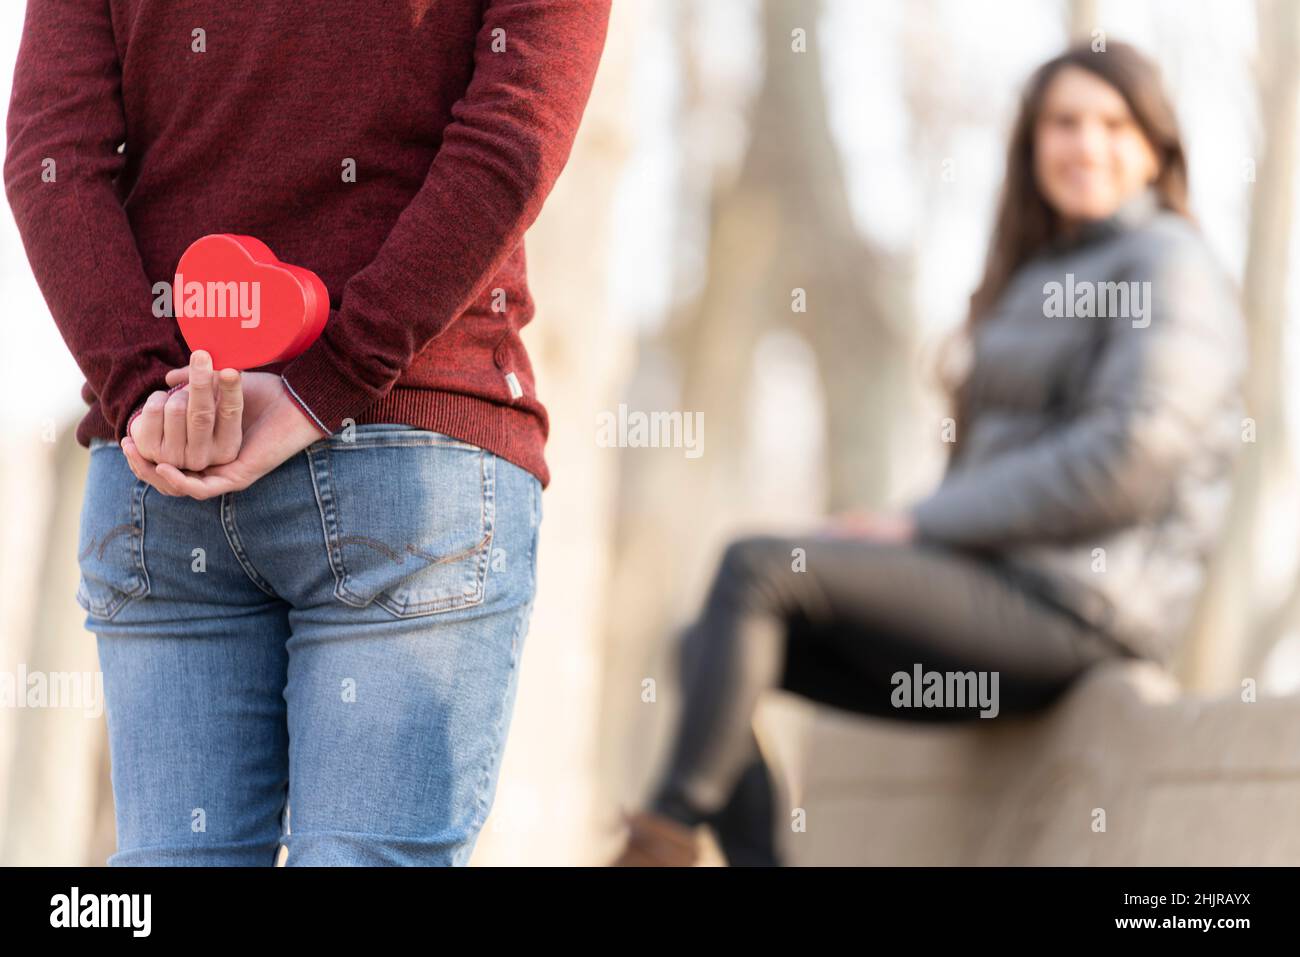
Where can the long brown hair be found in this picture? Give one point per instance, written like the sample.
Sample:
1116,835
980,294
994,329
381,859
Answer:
1025,224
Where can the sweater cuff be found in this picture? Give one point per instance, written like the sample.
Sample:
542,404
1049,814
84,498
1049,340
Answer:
325,391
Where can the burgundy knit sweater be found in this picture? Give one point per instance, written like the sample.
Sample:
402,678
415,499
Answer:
248,116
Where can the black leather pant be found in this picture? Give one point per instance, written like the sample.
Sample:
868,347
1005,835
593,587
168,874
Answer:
837,632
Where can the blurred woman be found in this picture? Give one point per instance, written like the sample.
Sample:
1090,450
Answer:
1094,434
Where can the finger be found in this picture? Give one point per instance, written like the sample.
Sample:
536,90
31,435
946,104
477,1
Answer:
173,440
201,415
144,471
177,376
137,465
230,416
130,461
147,429
200,486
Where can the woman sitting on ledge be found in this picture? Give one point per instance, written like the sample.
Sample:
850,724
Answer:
1088,481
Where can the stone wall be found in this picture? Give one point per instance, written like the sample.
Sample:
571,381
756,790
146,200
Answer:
1174,779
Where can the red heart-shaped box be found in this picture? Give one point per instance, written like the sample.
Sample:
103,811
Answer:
233,298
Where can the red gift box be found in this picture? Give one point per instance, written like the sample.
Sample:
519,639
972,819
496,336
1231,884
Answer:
235,299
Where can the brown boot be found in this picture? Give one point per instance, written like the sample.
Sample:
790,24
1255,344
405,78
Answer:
657,841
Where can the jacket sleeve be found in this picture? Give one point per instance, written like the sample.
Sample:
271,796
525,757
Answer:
64,126
510,136
1157,389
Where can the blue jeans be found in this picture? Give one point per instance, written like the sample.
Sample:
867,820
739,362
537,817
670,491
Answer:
327,660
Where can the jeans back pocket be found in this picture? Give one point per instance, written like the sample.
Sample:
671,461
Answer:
110,540
408,518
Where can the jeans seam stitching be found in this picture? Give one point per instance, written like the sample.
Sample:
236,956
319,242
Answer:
237,547
321,488
500,728
520,623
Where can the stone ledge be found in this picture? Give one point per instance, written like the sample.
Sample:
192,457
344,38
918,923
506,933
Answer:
1182,780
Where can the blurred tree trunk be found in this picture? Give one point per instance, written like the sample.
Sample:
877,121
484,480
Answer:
1231,635
859,312
58,793
782,224
1082,18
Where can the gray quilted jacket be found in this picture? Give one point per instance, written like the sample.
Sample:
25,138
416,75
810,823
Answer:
1103,420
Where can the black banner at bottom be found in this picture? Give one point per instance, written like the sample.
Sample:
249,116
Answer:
208,906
